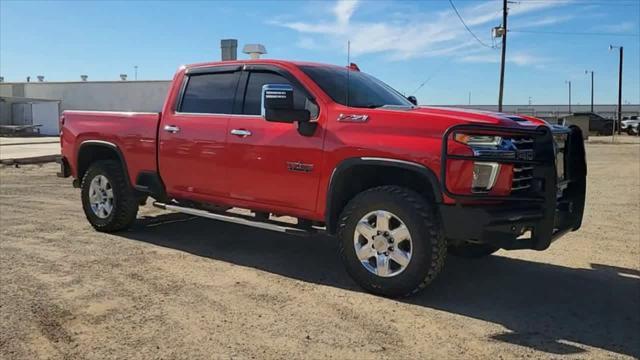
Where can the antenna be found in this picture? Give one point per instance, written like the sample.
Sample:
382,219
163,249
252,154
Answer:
348,68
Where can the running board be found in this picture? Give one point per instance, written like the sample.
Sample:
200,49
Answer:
234,219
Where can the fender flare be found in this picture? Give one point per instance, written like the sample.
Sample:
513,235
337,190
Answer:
346,164
105,144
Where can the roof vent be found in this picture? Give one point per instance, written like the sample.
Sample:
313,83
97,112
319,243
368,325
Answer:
84,77
40,78
229,49
123,77
254,50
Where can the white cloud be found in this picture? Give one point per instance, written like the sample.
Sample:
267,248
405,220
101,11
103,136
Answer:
343,11
517,58
544,21
307,43
419,34
623,27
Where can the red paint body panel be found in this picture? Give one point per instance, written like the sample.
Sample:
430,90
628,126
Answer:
204,162
258,169
193,161
133,133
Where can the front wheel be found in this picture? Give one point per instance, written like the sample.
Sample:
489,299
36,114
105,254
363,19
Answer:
109,203
390,241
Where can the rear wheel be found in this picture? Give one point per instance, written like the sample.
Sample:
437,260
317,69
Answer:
472,251
390,241
109,203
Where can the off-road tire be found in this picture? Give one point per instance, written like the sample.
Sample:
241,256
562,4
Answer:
428,243
472,251
125,201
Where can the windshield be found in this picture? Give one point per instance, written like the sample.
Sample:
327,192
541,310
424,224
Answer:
364,90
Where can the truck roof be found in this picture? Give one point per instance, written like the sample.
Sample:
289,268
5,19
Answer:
258,61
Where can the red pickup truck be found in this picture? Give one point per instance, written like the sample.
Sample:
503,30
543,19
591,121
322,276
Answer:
399,185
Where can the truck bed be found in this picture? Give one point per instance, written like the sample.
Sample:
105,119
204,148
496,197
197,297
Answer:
133,134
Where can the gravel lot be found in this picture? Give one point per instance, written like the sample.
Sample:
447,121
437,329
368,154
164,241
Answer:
179,287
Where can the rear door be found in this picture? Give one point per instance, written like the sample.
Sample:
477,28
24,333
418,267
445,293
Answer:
271,163
192,149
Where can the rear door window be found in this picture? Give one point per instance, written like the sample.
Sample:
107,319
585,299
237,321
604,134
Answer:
210,93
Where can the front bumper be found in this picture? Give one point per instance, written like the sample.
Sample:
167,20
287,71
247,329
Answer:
530,220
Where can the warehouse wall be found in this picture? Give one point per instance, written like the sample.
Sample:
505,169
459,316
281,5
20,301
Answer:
149,96
551,112
95,95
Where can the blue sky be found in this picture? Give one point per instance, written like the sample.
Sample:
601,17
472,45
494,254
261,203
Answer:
402,42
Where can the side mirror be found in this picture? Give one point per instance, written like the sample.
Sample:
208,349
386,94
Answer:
277,105
412,99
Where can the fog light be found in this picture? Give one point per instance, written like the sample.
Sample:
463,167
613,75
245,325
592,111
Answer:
485,175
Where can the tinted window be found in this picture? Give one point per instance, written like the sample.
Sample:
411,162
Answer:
253,94
364,89
210,93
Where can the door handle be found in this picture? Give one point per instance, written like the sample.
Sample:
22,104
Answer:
171,128
241,132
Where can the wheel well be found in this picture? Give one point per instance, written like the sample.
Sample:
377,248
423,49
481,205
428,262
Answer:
347,183
91,153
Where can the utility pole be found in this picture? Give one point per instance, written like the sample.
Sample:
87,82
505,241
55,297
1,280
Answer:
569,82
469,97
586,72
135,68
611,47
504,52
620,90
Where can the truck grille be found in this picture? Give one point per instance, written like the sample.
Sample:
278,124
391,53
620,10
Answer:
522,176
522,173
522,143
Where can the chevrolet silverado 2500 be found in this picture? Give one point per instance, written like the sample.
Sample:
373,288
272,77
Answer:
399,185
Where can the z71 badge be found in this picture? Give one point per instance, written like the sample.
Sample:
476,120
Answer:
299,166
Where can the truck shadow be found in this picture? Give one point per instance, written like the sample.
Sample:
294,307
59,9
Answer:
545,307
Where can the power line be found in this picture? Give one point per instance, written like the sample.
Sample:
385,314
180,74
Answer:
572,33
578,2
466,27
433,74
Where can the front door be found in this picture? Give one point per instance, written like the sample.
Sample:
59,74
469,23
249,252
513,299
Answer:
192,150
271,163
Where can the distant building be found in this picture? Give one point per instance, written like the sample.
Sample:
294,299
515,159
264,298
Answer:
149,96
40,103
549,112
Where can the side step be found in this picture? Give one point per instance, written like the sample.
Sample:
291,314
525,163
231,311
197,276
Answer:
235,219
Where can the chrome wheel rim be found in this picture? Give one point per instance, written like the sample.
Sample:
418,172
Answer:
101,196
383,243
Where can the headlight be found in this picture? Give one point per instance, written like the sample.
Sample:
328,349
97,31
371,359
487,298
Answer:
485,175
478,140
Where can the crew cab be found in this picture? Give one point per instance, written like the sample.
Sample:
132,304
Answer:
399,185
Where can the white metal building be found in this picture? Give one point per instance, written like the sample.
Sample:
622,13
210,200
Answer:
35,101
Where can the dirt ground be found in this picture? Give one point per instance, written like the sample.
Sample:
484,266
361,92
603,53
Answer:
178,287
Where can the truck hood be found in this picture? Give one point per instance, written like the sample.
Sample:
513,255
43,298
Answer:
478,116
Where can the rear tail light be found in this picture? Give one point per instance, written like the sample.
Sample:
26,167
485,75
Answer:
61,124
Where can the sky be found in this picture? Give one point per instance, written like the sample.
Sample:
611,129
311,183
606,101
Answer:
420,48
